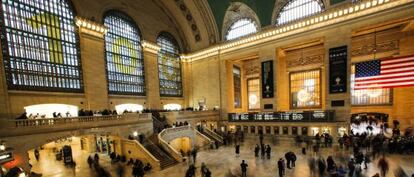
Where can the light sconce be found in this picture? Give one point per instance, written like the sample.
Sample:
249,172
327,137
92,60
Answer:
91,27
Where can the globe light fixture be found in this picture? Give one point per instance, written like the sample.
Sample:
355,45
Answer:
303,95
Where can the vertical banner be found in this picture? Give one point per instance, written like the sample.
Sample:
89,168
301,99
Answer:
338,69
267,79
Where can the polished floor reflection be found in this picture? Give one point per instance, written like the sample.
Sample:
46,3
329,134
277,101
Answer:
222,162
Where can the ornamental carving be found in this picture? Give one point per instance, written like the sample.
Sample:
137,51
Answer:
302,61
190,20
381,47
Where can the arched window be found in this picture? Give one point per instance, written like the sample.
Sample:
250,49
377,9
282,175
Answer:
297,9
240,28
169,66
40,45
124,61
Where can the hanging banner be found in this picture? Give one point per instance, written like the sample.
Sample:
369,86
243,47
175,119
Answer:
267,79
337,69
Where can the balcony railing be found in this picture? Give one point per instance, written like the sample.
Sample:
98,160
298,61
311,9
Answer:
305,116
13,127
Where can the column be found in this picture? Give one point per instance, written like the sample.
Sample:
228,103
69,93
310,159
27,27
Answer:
342,113
268,54
152,81
94,72
4,100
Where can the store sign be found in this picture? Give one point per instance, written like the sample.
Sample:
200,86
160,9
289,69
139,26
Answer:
305,116
6,156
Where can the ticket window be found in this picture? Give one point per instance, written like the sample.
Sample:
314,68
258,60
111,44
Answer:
285,130
342,131
260,128
245,129
252,129
238,128
326,130
276,130
294,130
315,131
305,131
267,130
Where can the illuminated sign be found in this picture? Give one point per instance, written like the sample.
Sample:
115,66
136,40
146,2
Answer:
6,156
303,116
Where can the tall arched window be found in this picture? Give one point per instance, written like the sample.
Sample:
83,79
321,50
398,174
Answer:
40,45
240,28
124,61
169,66
297,9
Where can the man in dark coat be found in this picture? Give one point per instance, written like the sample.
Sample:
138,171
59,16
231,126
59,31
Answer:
256,150
292,158
288,159
281,167
244,166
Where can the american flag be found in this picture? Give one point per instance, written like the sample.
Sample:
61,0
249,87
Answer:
386,73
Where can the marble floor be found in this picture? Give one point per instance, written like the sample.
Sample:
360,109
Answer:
222,162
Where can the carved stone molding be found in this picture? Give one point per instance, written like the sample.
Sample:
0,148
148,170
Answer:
380,47
302,61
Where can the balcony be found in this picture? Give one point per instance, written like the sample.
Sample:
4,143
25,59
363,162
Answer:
35,126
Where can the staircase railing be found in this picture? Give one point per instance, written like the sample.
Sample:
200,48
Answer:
214,135
209,141
167,147
143,154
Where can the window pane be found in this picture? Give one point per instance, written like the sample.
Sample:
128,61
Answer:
237,87
125,64
368,96
241,28
253,89
296,9
42,46
169,66
305,89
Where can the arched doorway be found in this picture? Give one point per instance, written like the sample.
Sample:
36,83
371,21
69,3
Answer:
48,110
368,122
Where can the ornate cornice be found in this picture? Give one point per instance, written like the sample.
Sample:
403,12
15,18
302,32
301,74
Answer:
326,18
90,27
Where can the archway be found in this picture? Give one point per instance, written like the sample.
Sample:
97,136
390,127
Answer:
47,110
172,107
130,107
183,144
368,122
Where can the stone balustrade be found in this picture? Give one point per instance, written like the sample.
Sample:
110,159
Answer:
33,126
191,116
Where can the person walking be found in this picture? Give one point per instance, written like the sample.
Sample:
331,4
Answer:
383,166
208,173
351,167
194,154
237,149
90,161
288,159
244,166
203,169
262,150
256,150
293,159
321,166
268,151
281,167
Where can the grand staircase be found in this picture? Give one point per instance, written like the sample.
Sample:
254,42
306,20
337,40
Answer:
165,159
212,135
